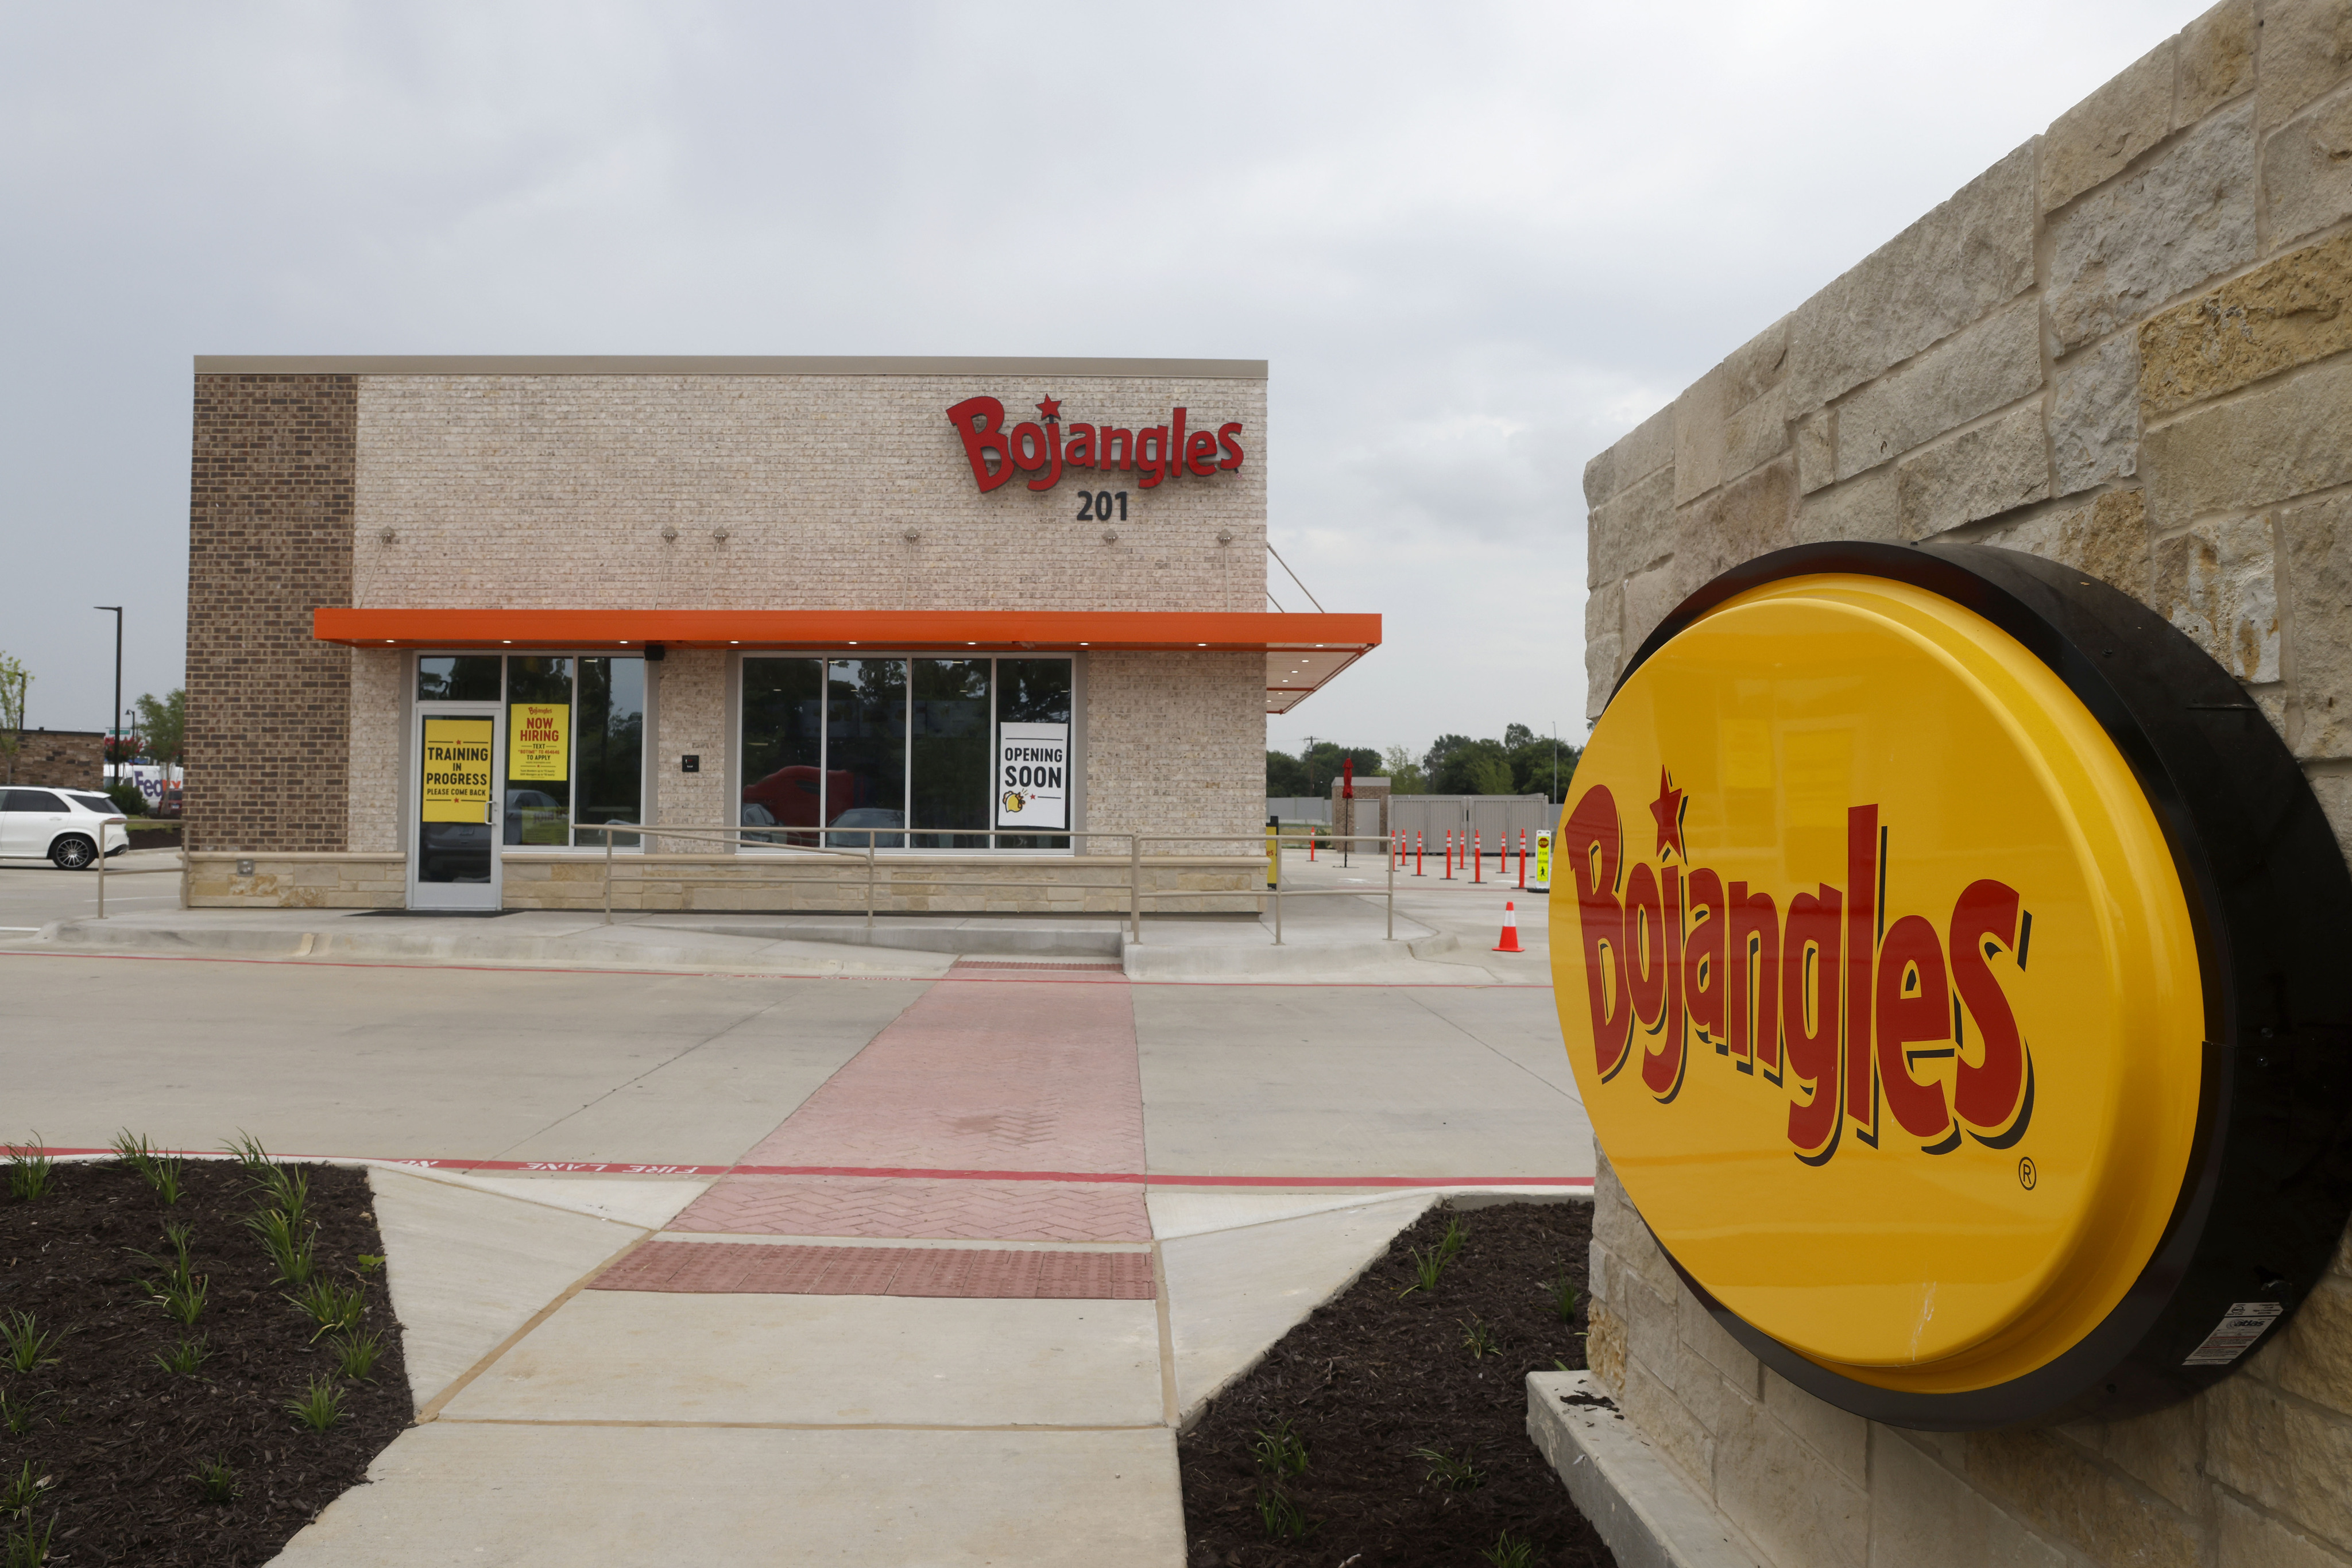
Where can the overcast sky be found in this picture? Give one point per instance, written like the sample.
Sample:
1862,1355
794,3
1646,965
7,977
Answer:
1476,243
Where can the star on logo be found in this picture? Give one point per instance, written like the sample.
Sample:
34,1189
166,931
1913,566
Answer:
1668,810
1050,409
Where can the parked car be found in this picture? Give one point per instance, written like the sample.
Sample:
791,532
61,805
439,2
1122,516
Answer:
64,825
169,806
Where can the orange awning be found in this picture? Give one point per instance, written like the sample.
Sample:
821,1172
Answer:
1302,651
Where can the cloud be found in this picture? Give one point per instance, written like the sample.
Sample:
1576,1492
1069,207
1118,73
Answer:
1474,242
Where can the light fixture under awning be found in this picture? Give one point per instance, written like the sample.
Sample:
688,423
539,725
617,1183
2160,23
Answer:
1302,651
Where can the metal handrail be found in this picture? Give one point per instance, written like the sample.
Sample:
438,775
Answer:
762,835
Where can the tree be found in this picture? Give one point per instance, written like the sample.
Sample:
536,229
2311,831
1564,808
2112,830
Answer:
14,680
164,725
1475,767
1285,775
1405,777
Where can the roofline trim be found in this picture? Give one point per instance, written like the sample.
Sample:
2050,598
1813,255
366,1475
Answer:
720,365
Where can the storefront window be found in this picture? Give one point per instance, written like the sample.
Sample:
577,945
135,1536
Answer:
1034,692
610,746
948,766
783,747
539,750
576,739
866,750
458,678
879,744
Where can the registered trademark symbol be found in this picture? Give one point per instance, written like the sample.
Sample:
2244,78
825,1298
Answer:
2026,1172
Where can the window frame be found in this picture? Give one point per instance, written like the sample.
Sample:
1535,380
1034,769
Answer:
412,703
823,658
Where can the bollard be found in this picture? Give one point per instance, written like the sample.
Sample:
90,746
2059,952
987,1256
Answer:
1523,860
1417,844
1449,854
1477,857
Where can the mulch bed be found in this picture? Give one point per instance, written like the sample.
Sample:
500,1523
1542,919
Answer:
1381,1373
120,1438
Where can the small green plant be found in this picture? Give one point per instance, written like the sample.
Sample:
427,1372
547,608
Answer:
286,1191
1509,1552
30,1171
247,1151
370,1262
184,1304
184,1357
1478,1338
24,1549
1280,1452
18,1497
177,1269
318,1407
1280,1513
1447,1471
330,1305
357,1354
288,1242
16,1415
1564,1297
1427,1267
215,1482
1449,1246
160,1171
25,1346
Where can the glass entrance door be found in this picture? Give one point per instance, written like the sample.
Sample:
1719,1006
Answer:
458,787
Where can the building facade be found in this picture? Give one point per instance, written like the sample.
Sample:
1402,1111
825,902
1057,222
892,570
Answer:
450,619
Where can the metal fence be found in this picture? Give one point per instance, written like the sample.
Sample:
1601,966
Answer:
1300,807
855,866
1493,818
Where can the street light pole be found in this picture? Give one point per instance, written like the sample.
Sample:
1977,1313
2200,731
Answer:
116,721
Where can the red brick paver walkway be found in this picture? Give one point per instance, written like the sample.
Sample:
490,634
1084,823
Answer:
770,1268
998,1077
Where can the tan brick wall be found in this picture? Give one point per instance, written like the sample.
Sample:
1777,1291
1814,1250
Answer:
63,759
2125,347
690,717
1176,742
269,541
554,491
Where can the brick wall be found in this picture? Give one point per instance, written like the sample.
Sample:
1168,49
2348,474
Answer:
62,759
1175,742
269,540
2126,346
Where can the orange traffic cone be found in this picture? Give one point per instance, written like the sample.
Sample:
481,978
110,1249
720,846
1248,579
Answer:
1510,942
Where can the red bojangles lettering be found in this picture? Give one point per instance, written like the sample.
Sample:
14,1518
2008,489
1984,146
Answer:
1155,453
1839,1016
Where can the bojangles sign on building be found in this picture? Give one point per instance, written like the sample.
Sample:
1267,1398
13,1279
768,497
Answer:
1045,449
1947,952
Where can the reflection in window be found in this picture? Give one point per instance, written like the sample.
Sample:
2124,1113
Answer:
458,678
609,747
783,747
866,750
539,750
950,765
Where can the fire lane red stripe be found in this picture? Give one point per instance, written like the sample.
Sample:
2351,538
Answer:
617,1168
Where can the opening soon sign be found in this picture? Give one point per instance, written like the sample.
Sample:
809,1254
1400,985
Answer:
1033,775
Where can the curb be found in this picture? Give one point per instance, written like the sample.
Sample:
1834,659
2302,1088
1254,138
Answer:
1648,1514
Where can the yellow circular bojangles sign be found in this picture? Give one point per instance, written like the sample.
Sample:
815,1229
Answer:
1879,981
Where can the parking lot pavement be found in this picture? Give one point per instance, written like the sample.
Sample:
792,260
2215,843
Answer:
34,894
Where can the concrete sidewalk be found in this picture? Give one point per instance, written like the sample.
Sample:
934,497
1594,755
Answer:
1340,926
581,1398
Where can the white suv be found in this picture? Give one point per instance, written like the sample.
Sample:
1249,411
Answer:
63,824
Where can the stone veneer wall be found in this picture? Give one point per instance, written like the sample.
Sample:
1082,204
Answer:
64,759
2126,346
269,541
1176,742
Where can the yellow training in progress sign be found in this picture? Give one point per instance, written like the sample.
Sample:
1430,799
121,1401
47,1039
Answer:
539,741
457,770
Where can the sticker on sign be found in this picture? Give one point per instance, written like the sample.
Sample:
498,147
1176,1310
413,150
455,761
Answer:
2235,1334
